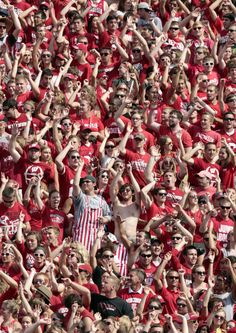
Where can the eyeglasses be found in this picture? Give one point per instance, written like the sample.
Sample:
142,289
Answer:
197,28
6,254
73,157
172,277
109,147
136,51
229,119
3,26
181,305
219,317
104,54
225,207
39,255
146,255
153,307
201,273
104,176
46,55
107,256
162,194
176,238
125,190
199,52
205,81
232,30
39,281
174,28
209,64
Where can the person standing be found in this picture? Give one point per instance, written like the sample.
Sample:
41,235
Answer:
91,210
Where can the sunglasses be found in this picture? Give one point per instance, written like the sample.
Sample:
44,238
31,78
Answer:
125,190
2,26
46,55
146,255
174,28
107,256
153,307
197,28
181,305
176,238
39,281
104,54
104,176
6,254
201,273
232,30
109,147
162,194
225,207
229,119
8,201
39,255
173,278
209,64
219,317
67,124
120,96
136,51
75,157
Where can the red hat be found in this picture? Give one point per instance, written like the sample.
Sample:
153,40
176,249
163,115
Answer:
80,46
34,146
2,117
101,74
204,173
86,267
192,316
70,76
177,319
44,3
84,127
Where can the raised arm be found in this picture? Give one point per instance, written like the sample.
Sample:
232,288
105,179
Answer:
12,144
76,186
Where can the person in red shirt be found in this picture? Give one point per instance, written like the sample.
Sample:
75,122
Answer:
145,262
79,52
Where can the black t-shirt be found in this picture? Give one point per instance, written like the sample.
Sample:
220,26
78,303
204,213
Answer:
115,307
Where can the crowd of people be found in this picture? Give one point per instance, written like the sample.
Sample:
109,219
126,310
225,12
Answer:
117,161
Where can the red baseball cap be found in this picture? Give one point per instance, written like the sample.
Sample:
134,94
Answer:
34,146
86,267
80,46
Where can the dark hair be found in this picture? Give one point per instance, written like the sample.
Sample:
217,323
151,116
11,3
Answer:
9,103
177,113
111,17
140,273
52,192
232,259
90,21
47,71
41,14
8,192
187,248
71,299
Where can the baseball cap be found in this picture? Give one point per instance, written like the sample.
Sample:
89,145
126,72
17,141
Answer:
85,128
70,76
9,103
44,3
34,146
86,267
144,5
204,173
45,292
91,178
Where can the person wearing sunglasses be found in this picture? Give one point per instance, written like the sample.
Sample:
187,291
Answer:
145,262
217,320
198,279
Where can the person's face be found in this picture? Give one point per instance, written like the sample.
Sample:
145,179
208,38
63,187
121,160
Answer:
153,96
173,120
181,306
181,86
191,257
74,160
34,154
139,142
40,257
55,199
199,54
51,235
45,81
78,25
223,154
174,30
228,53
112,25
39,281
31,242
7,256
46,154
106,56
108,257
140,238
136,120
109,148
107,286
165,61
104,178
133,278
205,121
192,197
219,318
211,93
155,307
169,179
84,106
208,65
66,125
229,119
210,151
110,325
9,201
21,86
26,322
136,52
176,239
87,186
27,57
5,311
145,258
225,209
172,279
156,248
165,115
230,324
161,196
2,29
198,30
232,32
200,274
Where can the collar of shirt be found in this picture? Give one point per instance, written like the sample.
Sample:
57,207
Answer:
131,291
